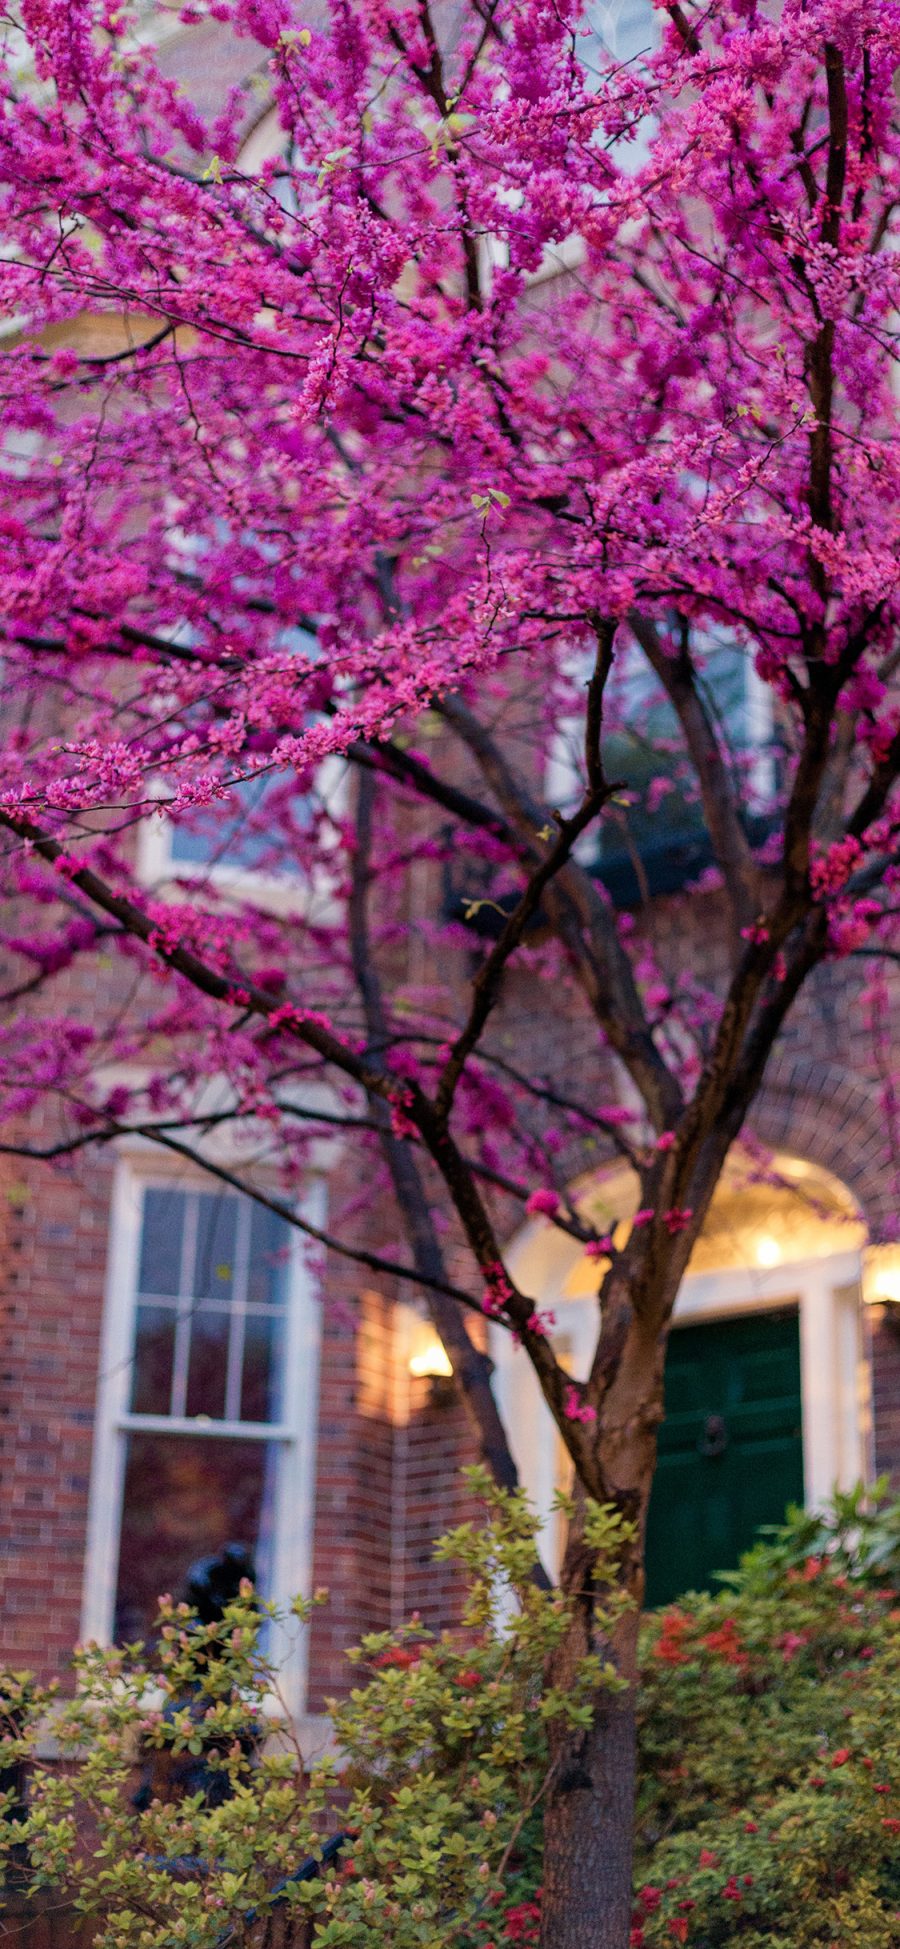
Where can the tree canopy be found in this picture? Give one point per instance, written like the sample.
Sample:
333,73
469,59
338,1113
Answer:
451,459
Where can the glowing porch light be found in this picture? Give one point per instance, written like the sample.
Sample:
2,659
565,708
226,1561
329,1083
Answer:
767,1251
430,1359
881,1275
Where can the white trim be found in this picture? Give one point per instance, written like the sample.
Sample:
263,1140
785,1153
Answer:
242,1143
294,1434
108,1457
833,1375
295,895
833,1372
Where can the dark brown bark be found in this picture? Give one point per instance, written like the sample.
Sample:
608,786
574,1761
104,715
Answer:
589,1819
586,1902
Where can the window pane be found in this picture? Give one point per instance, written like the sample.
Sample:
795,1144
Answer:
154,1347
216,1232
161,1236
242,832
625,27
269,1252
261,1389
186,1496
725,672
226,837
208,1363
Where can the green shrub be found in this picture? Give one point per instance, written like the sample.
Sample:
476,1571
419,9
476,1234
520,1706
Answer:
444,1762
768,1813
770,1762
858,1533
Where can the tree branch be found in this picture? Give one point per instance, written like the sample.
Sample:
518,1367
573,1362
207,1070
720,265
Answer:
155,1134
584,924
471,1364
729,841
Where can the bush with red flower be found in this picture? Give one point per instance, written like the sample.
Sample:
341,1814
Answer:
769,1807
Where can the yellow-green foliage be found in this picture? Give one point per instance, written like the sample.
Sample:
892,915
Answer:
769,1809
768,1813
443,1748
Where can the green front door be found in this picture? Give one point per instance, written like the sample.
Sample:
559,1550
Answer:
730,1448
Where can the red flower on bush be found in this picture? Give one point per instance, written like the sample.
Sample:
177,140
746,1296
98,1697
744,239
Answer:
791,1643
649,1898
679,1928
522,1923
468,1679
669,1648
400,1656
726,1643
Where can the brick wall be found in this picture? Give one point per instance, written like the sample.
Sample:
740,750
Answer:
884,1327
388,1449
53,1245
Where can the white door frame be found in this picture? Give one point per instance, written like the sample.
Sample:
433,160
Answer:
836,1415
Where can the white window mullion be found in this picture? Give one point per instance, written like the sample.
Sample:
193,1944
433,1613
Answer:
238,1311
190,1424
186,1304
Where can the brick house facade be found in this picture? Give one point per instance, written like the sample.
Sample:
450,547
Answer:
385,1444
371,1457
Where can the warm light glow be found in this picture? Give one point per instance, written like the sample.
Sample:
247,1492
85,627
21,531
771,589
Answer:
881,1275
430,1361
767,1250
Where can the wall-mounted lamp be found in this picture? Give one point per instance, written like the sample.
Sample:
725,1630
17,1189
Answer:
432,1362
881,1275
428,1359
767,1250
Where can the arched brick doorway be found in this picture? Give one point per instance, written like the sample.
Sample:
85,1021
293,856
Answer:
768,1384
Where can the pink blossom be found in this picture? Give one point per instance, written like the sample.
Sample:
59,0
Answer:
542,1201
540,1324
576,1408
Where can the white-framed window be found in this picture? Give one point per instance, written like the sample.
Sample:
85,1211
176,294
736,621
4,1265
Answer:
207,1398
645,749
241,847
739,703
625,30
231,852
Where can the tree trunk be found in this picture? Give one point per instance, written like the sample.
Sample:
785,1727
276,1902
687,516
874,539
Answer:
589,1814
589,1818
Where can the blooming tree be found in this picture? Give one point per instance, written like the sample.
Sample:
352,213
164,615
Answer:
501,457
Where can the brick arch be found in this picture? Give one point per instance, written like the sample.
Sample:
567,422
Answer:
821,1113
